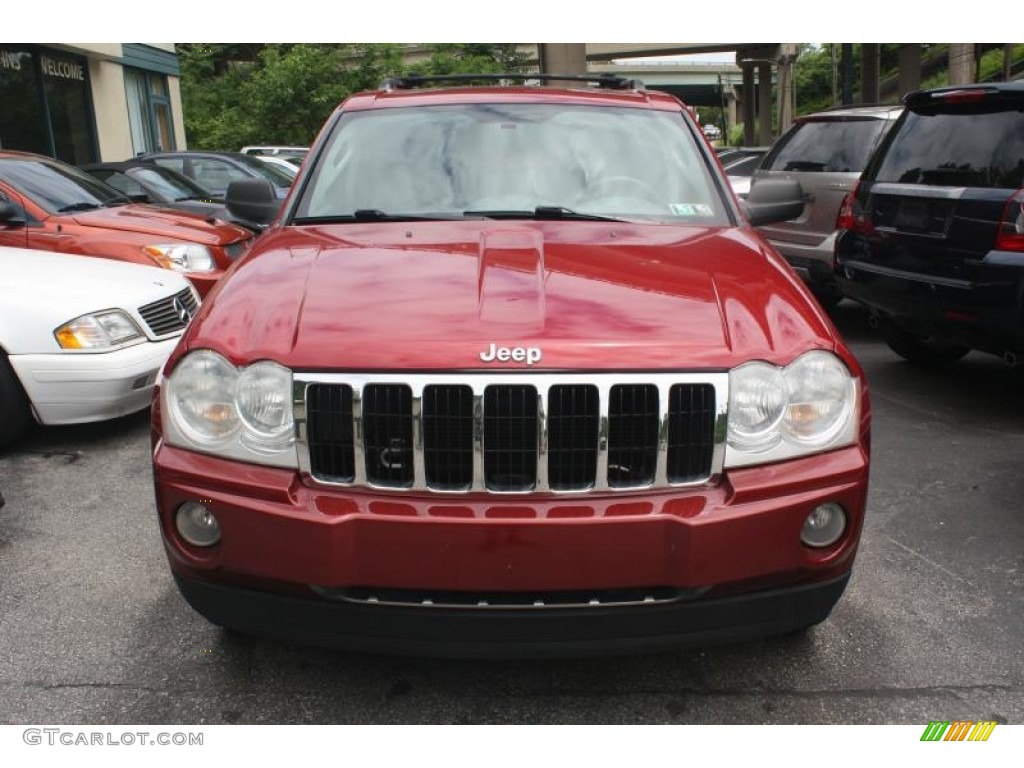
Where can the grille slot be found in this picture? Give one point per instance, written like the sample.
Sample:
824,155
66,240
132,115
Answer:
164,316
511,433
387,434
331,433
691,432
448,437
573,421
510,437
632,435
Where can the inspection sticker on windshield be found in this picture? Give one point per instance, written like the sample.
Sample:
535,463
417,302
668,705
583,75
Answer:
690,209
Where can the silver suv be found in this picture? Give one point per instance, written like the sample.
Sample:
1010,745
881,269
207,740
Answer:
825,153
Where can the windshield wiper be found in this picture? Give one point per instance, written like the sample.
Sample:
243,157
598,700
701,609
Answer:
543,212
373,214
78,207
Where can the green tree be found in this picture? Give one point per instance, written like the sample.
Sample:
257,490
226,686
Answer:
237,94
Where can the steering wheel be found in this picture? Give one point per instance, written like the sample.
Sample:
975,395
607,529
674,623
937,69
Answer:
645,190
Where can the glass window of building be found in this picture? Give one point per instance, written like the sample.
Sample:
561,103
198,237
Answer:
149,111
46,103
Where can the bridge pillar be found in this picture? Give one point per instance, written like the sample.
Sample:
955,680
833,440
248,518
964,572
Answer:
563,58
869,63
961,63
910,68
764,103
749,98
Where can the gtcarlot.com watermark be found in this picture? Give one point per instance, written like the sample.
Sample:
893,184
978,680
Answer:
69,737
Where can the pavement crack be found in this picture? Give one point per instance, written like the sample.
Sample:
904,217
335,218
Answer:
930,562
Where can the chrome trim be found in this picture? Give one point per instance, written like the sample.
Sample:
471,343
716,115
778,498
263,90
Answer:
478,382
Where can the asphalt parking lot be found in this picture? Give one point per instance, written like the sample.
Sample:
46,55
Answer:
92,629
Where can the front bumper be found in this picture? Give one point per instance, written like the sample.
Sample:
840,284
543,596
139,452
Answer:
497,633
71,388
732,551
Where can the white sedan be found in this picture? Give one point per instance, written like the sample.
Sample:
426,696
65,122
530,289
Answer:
83,339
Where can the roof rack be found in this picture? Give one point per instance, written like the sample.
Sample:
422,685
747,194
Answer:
603,80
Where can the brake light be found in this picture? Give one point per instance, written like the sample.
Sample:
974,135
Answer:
1010,235
963,96
852,217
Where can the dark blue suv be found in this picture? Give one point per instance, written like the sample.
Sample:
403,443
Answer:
932,237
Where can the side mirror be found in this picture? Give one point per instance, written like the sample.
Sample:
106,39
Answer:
141,197
772,200
10,214
252,199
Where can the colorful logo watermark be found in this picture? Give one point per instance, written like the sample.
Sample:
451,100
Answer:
958,730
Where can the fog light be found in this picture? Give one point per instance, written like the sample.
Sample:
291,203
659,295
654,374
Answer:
824,525
197,525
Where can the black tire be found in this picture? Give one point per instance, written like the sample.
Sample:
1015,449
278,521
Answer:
15,412
923,350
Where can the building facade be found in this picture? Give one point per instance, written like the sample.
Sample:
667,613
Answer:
90,101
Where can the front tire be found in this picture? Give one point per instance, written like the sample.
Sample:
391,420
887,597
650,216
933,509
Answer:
15,412
923,350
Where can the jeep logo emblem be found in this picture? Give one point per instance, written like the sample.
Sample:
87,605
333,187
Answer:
528,355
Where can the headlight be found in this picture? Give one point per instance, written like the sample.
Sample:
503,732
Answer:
245,414
182,257
820,398
757,403
98,331
782,413
265,404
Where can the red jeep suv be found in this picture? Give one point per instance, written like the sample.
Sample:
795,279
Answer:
512,374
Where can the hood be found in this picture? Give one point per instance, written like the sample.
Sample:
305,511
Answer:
162,222
438,295
34,303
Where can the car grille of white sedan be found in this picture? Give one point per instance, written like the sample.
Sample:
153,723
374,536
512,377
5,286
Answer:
171,314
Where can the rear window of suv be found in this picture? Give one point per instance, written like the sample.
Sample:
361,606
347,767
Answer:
826,146
957,150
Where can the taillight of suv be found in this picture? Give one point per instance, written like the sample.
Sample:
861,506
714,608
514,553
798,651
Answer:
1010,236
852,217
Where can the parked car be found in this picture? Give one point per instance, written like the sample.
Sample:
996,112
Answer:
739,167
82,339
513,374
216,170
283,164
712,131
50,205
155,184
933,235
825,153
275,151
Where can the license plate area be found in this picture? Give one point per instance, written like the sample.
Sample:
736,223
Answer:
924,217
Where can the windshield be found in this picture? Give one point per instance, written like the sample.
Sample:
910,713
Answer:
56,187
167,184
504,159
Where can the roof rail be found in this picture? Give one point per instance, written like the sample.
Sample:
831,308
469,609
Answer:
603,80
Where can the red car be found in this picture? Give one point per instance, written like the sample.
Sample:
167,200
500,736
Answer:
52,206
513,374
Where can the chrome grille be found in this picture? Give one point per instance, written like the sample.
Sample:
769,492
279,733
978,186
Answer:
514,433
165,316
